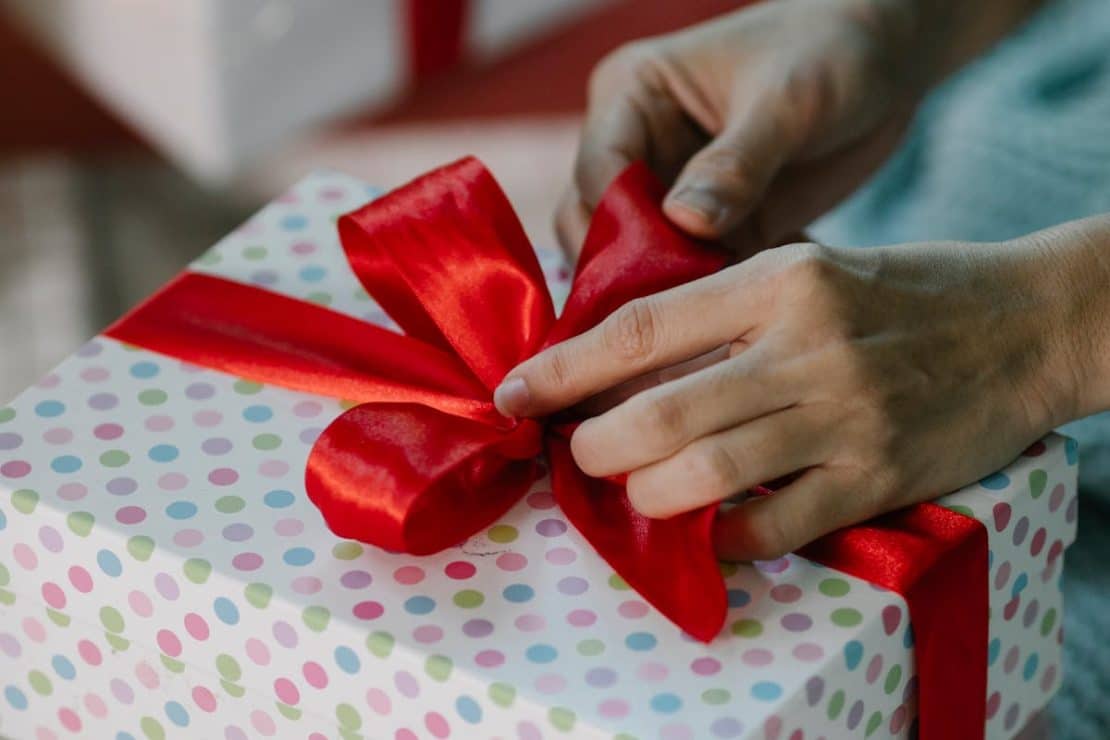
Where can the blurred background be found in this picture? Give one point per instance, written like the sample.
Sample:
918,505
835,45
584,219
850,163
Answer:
135,134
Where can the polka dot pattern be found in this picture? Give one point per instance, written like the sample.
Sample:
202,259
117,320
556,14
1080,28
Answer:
165,575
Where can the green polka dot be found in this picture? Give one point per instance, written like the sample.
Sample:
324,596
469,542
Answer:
247,387
233,689
617,583
962,510
117,643
58,617
6,414
873,723
893,678
211,257
228,667
254,253
1048,621
834,587
361,295
468,598
561,718
258,594
316,618
346,550
590,648
141,547
502,694
173,665
40,683
287,711
319,297
7,598
380,644
502,533
230,504
114,458
347,404
80,523
624,736
345,734
267,442
348,716
111,619
438,667
197,570
836,704
152,397
24,500
846,617
747,628
715,697
5,575
1038,480
152,728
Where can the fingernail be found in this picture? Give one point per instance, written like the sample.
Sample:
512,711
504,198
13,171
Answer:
512,397
700,200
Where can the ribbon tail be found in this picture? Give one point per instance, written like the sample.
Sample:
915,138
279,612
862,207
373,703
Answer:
670,562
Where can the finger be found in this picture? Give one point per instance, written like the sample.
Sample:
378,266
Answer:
720,465
571,221
657,423
767,527
643,335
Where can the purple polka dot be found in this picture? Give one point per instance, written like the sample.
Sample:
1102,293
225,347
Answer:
773,566
58,436
122,691
477,628
50,539
216,445
601,678
289,527
815,687
103,401
356,579
247,561
223,477
122,486
428,633
796,622
786,593
310,435
855,714
1021,529
159,423
573,586
130,514
308,409
72,491
406,684
551,527
90,349
676,732
273,468
95,374
166,586
757,657
285,635
10,441
726,727
560,556
238,532
264,277
10,646
172,481
808,651
188,538
550,683
199,391
1072,510
1011,718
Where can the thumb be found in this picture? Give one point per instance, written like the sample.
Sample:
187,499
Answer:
724,182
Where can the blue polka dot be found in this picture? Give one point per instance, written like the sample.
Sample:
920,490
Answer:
1019,584
278,499
1030,668
177,714
50,409
738,597
468,709
144,370
853,654
124,736
257,413
294,222
640,641
298,556
65,464
993,649
163,453
995,482
109,563
347,660
766,691
666,703
907,637
3,520
541,653
181,510
63,667
518,593
1071,451
312,273
420,605
226,611
16,698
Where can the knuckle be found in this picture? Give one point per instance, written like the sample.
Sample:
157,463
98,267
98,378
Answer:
765,535
712,469
560,368
661,420
731,169
632,332
627,62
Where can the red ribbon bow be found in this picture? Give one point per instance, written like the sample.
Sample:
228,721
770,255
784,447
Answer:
425,460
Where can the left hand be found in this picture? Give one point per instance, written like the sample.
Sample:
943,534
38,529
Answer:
883,376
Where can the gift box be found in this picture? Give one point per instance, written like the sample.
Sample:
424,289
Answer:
163,573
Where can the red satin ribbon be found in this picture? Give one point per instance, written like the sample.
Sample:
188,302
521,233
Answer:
425,460
435,31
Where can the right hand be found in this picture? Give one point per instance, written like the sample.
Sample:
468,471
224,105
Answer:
759,121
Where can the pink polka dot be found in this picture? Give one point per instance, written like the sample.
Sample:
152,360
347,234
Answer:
289,527
49,381
528,731
368,610
898,719
53,595
25,556
613,708
560,556
460,570
159,423
874,668
207,418
307,409
315,674
169,643
287,691
95,374
80,579
15,469
408,575
69,719
994,701
786,593
247,561
196,626
45,733
511,561
550,683
130,514
204,699
307,585
188,538
379,702
223,477
140,603
122,691
263,722
172,481
167,586
58,436
95,705
302,248
406,684
652,671
34,630
530,622
808,651
437,724
581,618
273,468
89,652
705,666
773,566
632,609
541,500
72,491
427,634
50,538
757,657
257,651
489,658
405,734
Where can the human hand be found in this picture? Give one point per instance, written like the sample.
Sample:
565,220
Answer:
883,377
